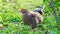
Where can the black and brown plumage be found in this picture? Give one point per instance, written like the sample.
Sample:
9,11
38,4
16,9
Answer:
32,18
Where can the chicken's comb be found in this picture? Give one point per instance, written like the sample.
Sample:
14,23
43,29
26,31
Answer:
22,9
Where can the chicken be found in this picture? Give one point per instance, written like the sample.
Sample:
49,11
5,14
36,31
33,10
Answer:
32,18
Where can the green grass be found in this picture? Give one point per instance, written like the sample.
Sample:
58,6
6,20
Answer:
11,18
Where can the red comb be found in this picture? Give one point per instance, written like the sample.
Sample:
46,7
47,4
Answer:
23,10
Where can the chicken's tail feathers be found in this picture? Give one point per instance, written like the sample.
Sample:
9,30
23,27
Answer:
40,9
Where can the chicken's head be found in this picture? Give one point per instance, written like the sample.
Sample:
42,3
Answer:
23,10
